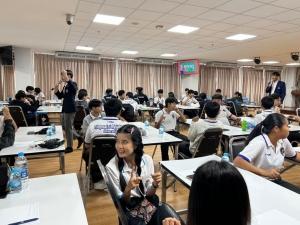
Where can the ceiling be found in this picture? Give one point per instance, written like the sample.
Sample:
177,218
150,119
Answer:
41,26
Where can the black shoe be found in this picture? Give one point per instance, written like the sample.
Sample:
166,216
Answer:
80,141
69,150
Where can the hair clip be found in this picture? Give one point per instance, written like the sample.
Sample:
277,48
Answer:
132,129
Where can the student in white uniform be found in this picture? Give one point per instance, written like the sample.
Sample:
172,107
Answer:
224,113
277,102
108,125
129,100
159,99
133,178
266,147
167,118
266,105
188,102
197,127
185,94
39,95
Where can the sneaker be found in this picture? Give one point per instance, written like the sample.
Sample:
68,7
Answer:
100,185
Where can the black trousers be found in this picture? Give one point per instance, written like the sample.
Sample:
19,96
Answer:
95,171
165,147
287,185
294,136
184,147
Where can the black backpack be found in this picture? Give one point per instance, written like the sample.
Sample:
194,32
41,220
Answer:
128,113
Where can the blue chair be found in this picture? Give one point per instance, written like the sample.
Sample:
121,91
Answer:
245,100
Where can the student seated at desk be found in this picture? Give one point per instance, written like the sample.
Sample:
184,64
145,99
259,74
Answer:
129,100
82,100
197,127
185,94
224,114
188,102
159,99
168,118
109,94
212,187
108,125
266,105
134,180
266,147
277,102
121,95
141,96
172,95
38,94
202,102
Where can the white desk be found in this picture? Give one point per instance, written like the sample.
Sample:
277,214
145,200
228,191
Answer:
264,195
146,108
49,109
184,107
58,196
4,102
23,140
53,102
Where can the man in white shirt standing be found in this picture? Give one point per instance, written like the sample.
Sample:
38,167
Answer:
167,118
188,102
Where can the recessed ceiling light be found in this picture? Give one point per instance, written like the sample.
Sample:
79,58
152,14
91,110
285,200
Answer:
245,60
183,29
130,52
159,27
135,23
293,64
169,54
84,48
240,37
114,20
270,62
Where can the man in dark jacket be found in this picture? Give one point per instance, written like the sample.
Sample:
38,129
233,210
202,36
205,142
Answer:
69,109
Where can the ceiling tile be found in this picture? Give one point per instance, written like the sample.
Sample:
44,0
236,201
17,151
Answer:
150,31
151,42
188,10
135,40
296,21
115,11
103,26
282,26
168,18
209,39
97,31
73,42
240,19
96,1
153,25
262,32
197,23
158,6
261,23
190,37
85,16
265,1
81,23
219,26
204,32
178,40
291,4
265,11
239,6
170,34
142,14
286,16
76,33
107,41
215,15
206,3
222,34
179,1
88,7
240,29
91,39
116,38
70,37
125,3
88,43
80,29
120,34
128,29
98,36
142,23
141,36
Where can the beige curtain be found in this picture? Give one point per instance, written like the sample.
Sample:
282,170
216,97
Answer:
7,82
228,81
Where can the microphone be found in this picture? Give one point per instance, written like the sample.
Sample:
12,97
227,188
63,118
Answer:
59,82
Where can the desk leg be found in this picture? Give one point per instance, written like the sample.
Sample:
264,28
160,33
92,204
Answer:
164,186
226,144
142,116
176,158
62,162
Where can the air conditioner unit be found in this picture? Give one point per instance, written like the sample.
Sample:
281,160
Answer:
75,55
154,61
222,64
273,68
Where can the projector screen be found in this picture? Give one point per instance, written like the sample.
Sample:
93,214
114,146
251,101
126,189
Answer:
188,67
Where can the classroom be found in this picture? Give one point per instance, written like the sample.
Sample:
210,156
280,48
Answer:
162,112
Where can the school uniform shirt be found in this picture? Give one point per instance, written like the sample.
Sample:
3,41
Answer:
197,129
88,119
260,152
224,115
159,100
131,102
274,87
147,169
183,96
141,97
190,101
107,97
41,95
108,125
274,109
169,123
262,116
1,125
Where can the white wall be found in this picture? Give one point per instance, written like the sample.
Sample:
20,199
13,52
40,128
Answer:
23,68
189,81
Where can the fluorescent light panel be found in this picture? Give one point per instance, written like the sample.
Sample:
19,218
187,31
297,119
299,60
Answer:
129,52
292,64
270,62
84,48
113,20
169,54
183,29
240,37
245,60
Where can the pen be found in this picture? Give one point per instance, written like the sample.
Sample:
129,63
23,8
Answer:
24,221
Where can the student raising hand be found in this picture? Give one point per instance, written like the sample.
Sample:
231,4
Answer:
170,221
134,181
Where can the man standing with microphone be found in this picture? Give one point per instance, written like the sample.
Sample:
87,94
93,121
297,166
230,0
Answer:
69,109
276,86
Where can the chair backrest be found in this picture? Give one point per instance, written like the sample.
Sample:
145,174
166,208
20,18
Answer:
232,109
236,145
298,111
17,114
79,116
202,116
114,197
209,142
128,113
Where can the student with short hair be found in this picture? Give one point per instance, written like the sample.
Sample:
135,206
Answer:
159,99
198,126
218,91
39,95
82,99
266,105
167,118
266,147
172,95
224,114
202,102
121,94
188,102
30,96
109,94
141,96
185,94
277,103
129,100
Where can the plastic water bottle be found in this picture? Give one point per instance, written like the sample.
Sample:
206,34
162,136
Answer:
248,126
157,106
244,125
147,125
225,158
15,182
161,131
252,124
53,128
58,106
144,103
22,166
49,133
43,104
